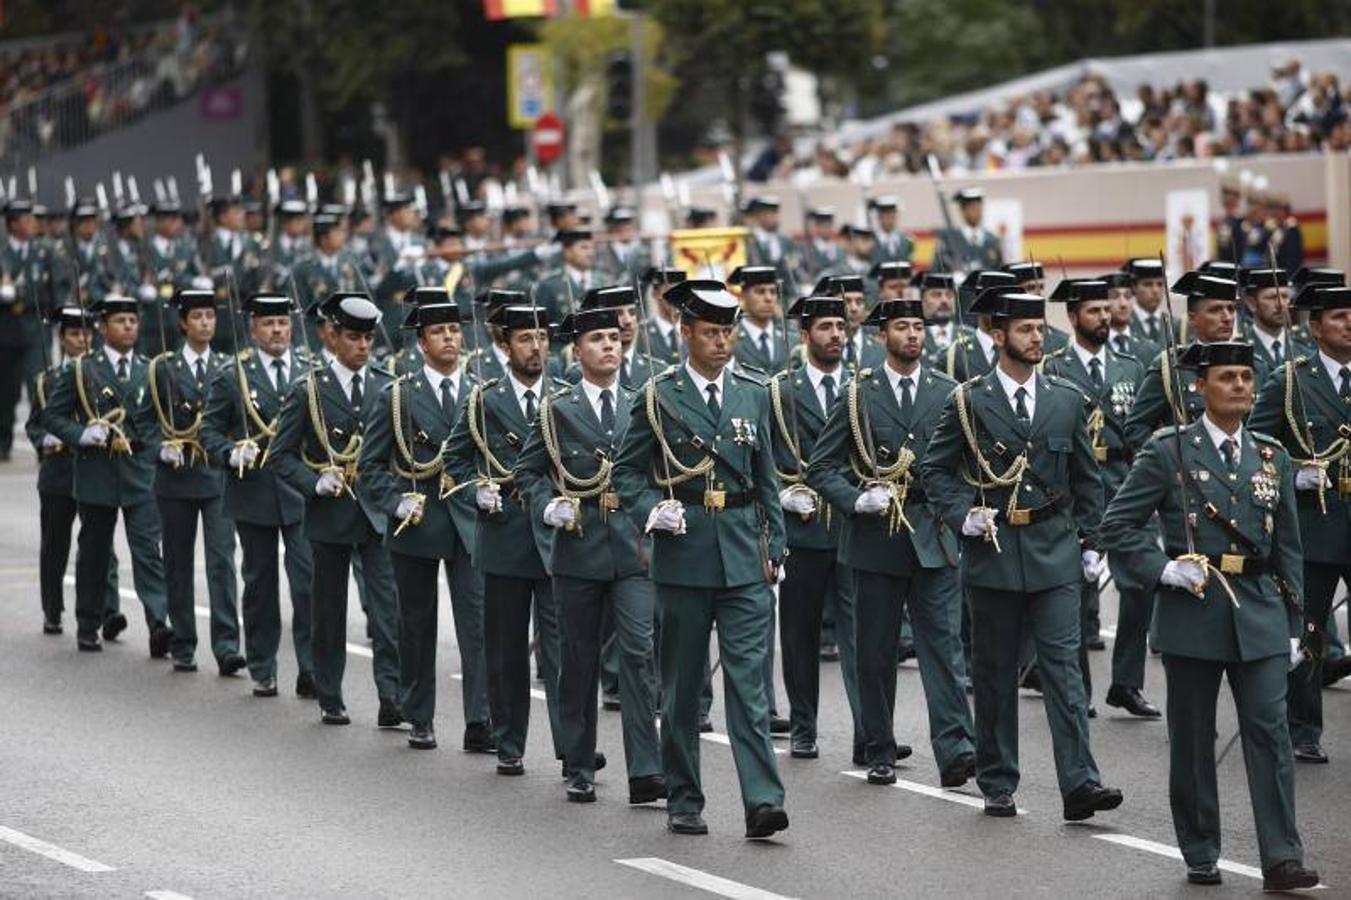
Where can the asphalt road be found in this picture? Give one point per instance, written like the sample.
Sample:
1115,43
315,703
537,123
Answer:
120,778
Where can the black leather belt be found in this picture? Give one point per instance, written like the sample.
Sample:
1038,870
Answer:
1234,563
697,497
1119,454
1023,517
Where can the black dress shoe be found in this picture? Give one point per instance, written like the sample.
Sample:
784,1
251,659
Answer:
804,750
1031,679
1096,643
478,738
1092,711
52,626
1310,753
185,665
305,685
1001,806
686,823
265,688
231,663
1132,701
1288,876
335,716
422,738
581,791
705,725
1206,873
881,774
764,821
160,636
959,771
779,725
647,789
595,766
1090,798
390,716
113,626
89,645
905,652
610,702
903,751
1334,670
830,653
512,765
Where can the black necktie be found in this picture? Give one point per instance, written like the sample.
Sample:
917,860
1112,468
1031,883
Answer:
1276,353
530,409
1123,344
356,391
1095,372
851,353
1020,404
1344,390
624,369
201,370
828,385
764,345
122,369
447,398
1229,450
1152,328
279,374
907,396
713,405
994,356
607,411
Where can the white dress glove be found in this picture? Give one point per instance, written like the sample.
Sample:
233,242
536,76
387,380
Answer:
329,485
243,455
544,251
51,442
799,502
488,497
666,517
405,508
1184,574
1296,654
94,436
171,455
203,283
1311,478
7,293
146,292
559,513
1093,564
873,501
978,521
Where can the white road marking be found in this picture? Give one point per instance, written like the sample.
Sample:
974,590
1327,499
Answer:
714,884
166,895
1168,850
930,791
714,737
534,692
51,851
1108,632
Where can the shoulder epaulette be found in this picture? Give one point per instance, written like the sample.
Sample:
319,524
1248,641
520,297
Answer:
863,374
752,374
1058,354
1165,432
1300,361
668,372
245,354
381,370
490,383
1061,382
940,374
1262,438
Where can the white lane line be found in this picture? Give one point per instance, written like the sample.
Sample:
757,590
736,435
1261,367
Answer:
714,884
1168,850
534,692
1107,631
51,851
714,737
930,791
166,895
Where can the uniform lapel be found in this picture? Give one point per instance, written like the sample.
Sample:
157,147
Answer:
928,392
693,399
1042,413
997,403
885,398
1315,380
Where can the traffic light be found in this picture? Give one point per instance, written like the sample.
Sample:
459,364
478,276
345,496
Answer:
619,87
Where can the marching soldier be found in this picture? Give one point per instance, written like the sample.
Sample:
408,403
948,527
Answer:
759,345
233,259
56,474
242,413
1032,280
597,560
560,291
859,247
173,263
1151,294
1029,529
892,243
1266,298
1307,407
1229,579
634,367
695,468
294,231
316,449
902,554
488,436
1121,301
451,267
330,268
818,248
93,407
766,246
1109,380
86,253
402,474
188,487
938,294
622,255
860,350
395,251
892,279
969,246
662,329
27,296
974,352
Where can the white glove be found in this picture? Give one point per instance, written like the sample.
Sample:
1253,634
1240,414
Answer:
411,254
329,485
1296,654
1311,478
94,436
1184,574
171,455
544,251
873,501
203,283
666,517
780,573
559,513
146,292
7,293
1093,564
243,455
978,521
799,501
405,509
488,496
51,442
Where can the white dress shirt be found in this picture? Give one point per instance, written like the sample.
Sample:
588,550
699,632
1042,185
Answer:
592,392
268,362
894,379
191,357
1269,342
345,376
521,387
986,343
701,384
815,375
1011,387
943,334
1334,370
1085,357
434,378
754,331
114,357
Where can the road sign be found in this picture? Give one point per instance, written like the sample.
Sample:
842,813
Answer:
530,84
546,138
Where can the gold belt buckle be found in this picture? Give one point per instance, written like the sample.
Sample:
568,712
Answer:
1020,517
1344,486
609,501
715,501
1100,454
1231,564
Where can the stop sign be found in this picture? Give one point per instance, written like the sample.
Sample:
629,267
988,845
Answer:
546,138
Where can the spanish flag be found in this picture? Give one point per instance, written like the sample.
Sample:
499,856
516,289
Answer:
495,10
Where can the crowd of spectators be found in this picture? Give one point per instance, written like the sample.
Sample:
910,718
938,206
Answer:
1297,111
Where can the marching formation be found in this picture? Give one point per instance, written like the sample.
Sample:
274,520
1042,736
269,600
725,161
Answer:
612,459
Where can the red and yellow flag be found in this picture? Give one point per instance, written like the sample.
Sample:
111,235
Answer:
495,10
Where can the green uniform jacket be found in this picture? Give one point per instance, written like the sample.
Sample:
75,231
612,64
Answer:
665,350
510,542
1150,411
555,296
1061,471
797,420
1263,364
103,478
182,401
600,549
235,267
718,549
56,467
1260,501
1329,419
332,520
1142,348
35,279
865,543
956,253
425,428
261,496
893,246
762,253
749,353
1115,398
964,358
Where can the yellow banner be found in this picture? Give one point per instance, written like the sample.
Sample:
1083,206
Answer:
709,252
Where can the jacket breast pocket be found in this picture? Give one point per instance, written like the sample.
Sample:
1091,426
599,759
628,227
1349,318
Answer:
1060,449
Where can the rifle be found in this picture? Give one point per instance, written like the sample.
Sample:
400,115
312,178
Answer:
951,229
